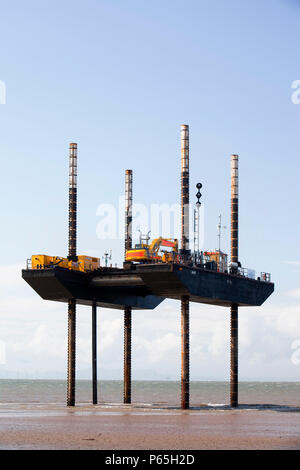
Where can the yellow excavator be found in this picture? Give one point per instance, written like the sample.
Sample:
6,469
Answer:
154,252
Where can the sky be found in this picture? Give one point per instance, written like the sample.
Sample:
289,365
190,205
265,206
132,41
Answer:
119,78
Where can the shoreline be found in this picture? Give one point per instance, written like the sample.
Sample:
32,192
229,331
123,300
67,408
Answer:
147,427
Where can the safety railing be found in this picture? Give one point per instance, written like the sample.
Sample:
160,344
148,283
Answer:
247,272
266,277
250,274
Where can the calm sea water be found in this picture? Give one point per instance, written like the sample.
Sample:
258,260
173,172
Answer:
148,392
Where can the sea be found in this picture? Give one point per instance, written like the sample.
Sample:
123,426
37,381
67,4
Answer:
156,393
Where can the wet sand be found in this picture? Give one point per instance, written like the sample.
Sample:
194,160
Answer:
119,427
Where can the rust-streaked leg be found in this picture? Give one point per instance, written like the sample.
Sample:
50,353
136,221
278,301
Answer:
71,352
185,353
127,355
94,352
234,356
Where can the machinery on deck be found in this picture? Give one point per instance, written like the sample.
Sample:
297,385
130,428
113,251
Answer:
83,263
161,250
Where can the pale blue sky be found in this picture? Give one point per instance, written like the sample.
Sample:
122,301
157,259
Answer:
119,77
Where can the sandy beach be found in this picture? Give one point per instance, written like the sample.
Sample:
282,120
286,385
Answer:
147,428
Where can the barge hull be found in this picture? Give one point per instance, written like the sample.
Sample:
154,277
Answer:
146,286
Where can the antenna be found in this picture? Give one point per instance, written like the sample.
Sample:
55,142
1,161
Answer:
197,225
106,257
220,227
145,237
